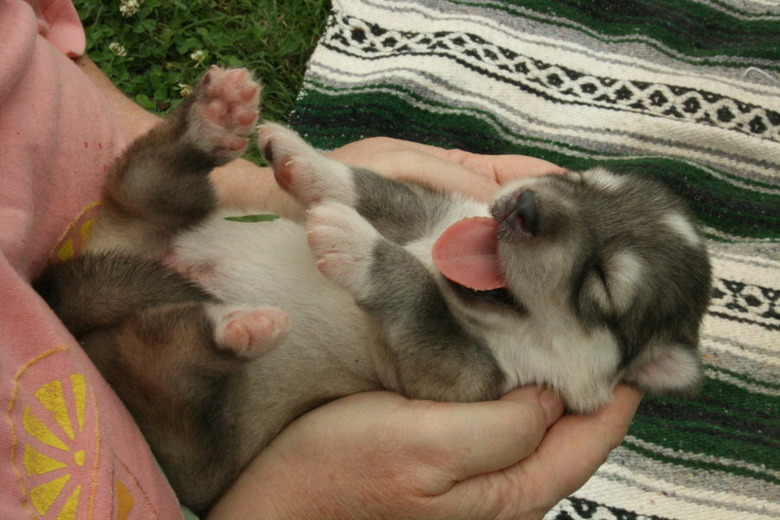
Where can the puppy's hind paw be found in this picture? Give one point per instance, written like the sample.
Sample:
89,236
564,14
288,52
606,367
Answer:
249,332
223,113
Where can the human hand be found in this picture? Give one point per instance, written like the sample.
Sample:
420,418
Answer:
243,185
380,455
474,175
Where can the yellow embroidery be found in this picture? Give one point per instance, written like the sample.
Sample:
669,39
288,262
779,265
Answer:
86,230
124,501
78,458
37,463
68,511
52,398
66,251
55,401
54,443
44,495
136,501
40,431
76,234
56,455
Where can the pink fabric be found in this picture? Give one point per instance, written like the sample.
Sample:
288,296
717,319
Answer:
71,449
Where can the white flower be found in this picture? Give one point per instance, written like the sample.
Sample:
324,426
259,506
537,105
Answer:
117,49
129,7
185,90
199,56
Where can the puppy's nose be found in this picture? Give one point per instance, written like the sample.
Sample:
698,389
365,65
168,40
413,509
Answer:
525,213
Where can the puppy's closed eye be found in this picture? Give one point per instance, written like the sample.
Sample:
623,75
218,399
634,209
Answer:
595,289
611,284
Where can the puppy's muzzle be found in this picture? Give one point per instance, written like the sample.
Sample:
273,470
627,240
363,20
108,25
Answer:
521,213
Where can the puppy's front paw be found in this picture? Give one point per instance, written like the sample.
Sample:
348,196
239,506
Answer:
302,171
342,243
248,332
223,113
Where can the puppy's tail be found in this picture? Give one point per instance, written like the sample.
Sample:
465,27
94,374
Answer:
99,291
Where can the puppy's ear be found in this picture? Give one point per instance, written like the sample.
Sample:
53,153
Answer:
667,369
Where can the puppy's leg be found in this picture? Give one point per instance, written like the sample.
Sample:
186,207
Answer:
304,172
400,211
160,186
433,356
175,345
177,368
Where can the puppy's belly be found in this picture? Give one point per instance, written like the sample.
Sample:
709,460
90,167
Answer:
332,347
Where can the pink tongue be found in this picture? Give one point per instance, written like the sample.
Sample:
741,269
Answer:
466,254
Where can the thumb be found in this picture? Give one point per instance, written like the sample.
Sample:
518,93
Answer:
477,438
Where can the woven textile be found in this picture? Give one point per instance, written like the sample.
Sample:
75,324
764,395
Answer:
686,90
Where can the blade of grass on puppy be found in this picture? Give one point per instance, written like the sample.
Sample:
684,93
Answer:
253,218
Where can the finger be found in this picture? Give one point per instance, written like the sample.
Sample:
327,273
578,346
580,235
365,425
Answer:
467,439
575,447
455,170
499,169
474,175
414,163
502,169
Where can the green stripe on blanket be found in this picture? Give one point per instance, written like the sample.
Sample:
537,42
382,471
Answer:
717,31
687,91
713,194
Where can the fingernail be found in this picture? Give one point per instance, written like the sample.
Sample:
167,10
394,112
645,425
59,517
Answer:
552,404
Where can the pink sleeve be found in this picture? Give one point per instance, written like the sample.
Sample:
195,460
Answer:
64,27
70,448
59,23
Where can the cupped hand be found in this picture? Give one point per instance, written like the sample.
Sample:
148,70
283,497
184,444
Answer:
243,185
474,175
380,455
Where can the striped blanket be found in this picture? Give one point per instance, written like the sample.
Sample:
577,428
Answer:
687,90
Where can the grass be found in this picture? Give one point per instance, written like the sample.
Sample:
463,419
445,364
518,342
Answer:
155,50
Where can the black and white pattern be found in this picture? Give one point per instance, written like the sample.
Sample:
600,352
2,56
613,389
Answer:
748,303
687,90
557,83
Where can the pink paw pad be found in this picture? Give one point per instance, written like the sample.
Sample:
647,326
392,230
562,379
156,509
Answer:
227,102
251,332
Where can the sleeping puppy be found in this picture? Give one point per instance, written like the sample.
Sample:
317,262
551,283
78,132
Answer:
217,333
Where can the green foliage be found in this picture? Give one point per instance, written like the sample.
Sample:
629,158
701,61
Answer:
154,50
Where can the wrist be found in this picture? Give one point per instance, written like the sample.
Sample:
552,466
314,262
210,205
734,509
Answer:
265,491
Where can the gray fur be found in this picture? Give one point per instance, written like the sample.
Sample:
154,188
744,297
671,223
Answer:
101,290
611,286
428,346
401,212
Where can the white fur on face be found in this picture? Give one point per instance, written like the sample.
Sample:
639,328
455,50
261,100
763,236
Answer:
604,179
555,350
681,226
625,272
